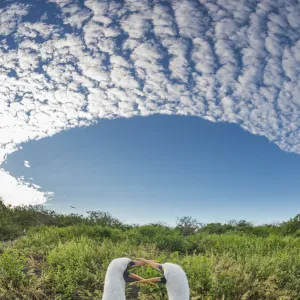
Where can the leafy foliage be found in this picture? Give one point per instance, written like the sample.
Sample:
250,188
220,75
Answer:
65,256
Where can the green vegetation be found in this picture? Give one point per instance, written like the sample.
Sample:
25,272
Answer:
45,255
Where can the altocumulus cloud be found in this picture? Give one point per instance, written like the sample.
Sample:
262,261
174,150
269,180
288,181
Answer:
68,63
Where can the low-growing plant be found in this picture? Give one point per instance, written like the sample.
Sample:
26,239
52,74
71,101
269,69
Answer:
12,264
66,257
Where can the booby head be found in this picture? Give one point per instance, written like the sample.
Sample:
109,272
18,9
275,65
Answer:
173,276
119,269
117,276
127,275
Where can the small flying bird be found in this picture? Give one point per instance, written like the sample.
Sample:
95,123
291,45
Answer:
72,206
117,275
173,276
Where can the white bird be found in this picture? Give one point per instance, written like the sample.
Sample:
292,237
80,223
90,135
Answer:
173,276
117,275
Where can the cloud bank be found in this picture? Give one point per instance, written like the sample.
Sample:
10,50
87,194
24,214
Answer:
65,64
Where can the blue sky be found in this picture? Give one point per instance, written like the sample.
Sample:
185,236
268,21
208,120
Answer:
151,110
163,167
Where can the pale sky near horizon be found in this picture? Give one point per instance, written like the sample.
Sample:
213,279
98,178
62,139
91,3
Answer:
162,167
152,109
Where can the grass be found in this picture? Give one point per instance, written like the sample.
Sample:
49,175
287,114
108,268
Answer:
65,257
70,263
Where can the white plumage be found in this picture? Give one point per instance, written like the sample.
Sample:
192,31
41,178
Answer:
176,282
174,277
114,285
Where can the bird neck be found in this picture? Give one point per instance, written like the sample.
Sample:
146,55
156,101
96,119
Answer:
173,295
113,288
113,280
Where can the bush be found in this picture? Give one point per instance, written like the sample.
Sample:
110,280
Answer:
11,268
230,261
291,227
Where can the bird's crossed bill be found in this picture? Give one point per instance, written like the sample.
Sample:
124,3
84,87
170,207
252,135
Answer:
119,273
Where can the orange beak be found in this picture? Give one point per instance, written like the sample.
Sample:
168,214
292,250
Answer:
139,279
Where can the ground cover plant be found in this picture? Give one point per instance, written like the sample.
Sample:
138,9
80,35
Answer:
45,255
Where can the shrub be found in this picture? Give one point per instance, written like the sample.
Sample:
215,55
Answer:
11,268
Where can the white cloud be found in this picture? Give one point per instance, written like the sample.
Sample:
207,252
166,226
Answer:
219,60
10,17
27,164
136,25
18,192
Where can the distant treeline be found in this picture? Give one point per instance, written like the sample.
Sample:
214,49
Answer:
16,221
